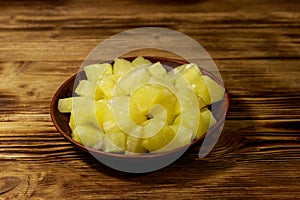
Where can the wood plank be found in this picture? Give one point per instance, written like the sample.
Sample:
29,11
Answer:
90,179
256,46
59,36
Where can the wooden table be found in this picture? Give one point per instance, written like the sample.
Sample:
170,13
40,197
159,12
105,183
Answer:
256,46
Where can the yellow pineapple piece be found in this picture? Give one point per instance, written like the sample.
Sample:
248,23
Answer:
159,140
140,61
157,70
132,80
89,89
93,72
207,90
145,97
115,142
135,114
169,101
216,91
89,136
100,107
65,105
133,145
108,118
206,120
190,109
123,118
182,136
121,67
72,122
106,85
157,122
82,110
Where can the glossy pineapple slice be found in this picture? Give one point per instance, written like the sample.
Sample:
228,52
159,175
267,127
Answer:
146,96
157,122
131,81
182,136
115,142
216,91
133,145
93,72
126,120
206,121
158,141
121,67
140,61
106,85
88,89
157,70
89,136
189,109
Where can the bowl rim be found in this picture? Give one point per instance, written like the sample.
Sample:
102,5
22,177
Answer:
54,101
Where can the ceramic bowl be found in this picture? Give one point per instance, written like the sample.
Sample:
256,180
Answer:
132,163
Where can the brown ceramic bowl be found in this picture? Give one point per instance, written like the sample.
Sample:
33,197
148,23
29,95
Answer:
131,163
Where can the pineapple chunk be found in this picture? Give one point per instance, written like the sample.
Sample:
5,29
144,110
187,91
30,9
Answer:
123,118
157,70
190,71
84,111
100,107
133,145
140,61
89,136
206,121
106,84
136,115
183,136
115,142
76,137
72,122
207,90
216,91
132,80
159,140
108,122
88,89
93,72
121,67
148,95
165,83
157,123
186,75
169,102
145,97
65,105
190,109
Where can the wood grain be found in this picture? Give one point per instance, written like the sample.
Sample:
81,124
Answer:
256,46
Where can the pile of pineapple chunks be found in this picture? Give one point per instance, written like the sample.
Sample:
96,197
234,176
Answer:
140,107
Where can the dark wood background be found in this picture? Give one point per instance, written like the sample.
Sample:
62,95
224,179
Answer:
256,46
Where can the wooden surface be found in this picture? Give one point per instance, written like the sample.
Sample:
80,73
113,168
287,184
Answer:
256,46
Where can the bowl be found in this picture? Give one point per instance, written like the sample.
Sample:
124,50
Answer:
132,163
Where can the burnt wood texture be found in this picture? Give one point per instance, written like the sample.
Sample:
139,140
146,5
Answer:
255,44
